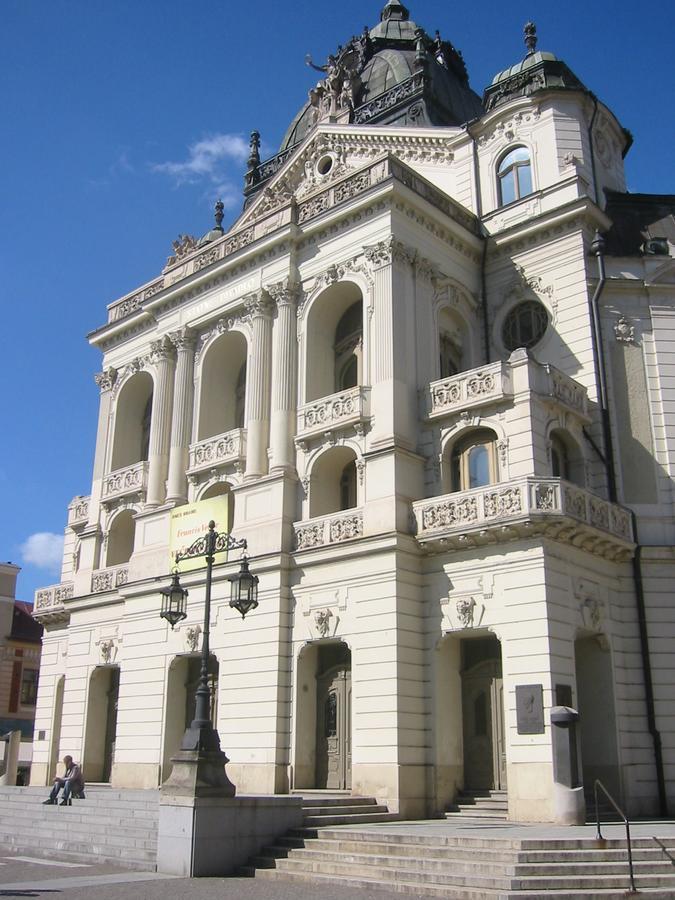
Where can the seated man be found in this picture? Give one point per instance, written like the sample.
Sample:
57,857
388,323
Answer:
72,783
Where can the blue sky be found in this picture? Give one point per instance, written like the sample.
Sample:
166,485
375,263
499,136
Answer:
124,121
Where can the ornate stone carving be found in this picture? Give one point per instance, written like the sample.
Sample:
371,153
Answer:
258,304
106,379
502,503
159,350
307,536
207,258
322,619
333,411
465,611
192,635
78,511
568,391
469,389
283,293
183,339
624,331
107,649
183,246
130,480
218,450
109,579
545,497
345,527
450,512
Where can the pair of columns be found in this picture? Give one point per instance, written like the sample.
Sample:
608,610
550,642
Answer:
271,380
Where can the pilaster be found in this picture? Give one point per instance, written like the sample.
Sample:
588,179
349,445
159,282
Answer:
259,308
181,422
105,381
284,376
163,357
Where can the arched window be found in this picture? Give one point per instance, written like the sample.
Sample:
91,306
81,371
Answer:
133,415
348,347
450,356
121,539
240,398
525,325
145,429
221,489
566,459
348,486
473,462
514,175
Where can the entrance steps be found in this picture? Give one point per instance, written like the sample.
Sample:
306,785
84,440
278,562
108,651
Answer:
487,868
491,805
324,808
112,826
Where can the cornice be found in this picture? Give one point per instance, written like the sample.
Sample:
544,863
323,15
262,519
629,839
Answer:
582,209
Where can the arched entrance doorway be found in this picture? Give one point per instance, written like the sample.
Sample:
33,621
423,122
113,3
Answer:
597,717
483,715
101,730
323,747
182,682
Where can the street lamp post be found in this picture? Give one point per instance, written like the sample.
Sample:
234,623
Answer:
199,764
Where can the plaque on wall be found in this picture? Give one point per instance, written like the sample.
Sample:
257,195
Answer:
530,708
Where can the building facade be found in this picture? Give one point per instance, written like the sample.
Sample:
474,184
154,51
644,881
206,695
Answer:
436,400
20,646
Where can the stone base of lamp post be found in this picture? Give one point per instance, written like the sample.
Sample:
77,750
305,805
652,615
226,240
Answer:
199,773
214,835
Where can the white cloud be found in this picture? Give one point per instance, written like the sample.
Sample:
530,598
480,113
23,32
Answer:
44,550
205,159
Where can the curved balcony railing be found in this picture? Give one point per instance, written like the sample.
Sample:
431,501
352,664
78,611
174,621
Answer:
331,529
220,450
50,602
129,480
78,511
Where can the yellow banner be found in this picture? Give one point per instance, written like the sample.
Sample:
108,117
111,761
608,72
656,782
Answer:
190,522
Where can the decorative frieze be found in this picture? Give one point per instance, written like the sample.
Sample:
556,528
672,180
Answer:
109,579
220,450
514,509
129,480
330,529
132,302
50,602
78,511
400,93
342,191
346,408
470,390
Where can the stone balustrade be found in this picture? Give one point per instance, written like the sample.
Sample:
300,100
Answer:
470,389
567,391
346,408
50,602
78,511
522,507
330,529
109,579
220,450
129,480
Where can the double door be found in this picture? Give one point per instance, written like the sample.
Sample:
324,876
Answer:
333,739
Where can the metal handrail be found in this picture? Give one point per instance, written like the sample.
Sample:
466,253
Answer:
664,849
598,784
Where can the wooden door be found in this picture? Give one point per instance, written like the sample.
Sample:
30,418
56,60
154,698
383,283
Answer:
333,738
111,723
483,722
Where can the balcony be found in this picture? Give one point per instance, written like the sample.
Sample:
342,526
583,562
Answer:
109,579
521,508
123,482
78,512
469,390
326,530
217,451
50,603
337,411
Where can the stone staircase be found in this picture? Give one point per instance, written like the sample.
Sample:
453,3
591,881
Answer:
324,808
118,827
490,805
471,868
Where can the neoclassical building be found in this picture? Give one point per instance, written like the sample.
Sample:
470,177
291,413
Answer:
429,369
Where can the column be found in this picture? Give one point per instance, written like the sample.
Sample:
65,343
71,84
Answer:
183,405
106,381
284,376
259,308
380,256
162,356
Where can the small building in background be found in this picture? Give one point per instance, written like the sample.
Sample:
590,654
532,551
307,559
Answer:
20,649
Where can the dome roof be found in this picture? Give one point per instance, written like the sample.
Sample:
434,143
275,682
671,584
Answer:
395,52
539,70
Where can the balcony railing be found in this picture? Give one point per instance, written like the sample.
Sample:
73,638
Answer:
330,529
346,408
78,511
130,480
469,390
220,450
518,508
109,579
50,602
567,391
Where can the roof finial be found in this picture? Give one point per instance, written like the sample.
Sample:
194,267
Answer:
530,32
218,214
254,151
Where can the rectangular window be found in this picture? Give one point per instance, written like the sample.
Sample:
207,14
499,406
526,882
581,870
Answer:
29,684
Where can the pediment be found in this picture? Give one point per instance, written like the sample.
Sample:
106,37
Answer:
327,156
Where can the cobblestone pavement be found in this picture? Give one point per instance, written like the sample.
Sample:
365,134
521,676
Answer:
26,876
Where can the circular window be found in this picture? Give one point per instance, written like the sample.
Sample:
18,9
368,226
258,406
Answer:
324,165
525,325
